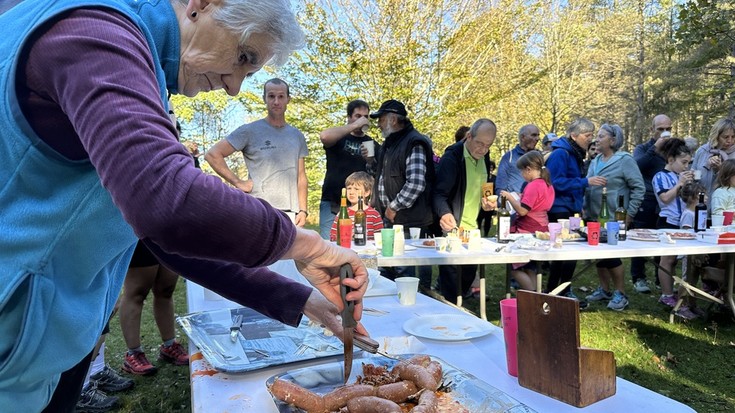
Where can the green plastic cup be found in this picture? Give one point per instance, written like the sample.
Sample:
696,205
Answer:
388,235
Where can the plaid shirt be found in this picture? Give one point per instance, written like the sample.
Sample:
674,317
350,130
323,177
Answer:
415,182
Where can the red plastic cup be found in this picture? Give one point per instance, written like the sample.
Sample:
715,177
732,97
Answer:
593,233
509,316
728,217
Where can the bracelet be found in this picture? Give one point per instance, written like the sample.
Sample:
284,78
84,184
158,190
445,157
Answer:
304,211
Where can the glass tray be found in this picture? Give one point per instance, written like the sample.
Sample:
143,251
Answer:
472,393
262,342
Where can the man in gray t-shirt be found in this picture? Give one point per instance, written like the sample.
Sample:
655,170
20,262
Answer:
274,153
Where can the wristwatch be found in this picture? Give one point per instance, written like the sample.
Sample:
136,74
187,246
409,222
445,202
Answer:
304,211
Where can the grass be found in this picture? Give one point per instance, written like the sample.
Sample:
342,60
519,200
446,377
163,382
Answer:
692,362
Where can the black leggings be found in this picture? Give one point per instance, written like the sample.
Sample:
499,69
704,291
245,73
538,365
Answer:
66,395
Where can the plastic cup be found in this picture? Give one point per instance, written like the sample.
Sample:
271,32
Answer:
415,232
564,223
377,237
441,244
727,217
554,231
697,174
593,233
388,236
509,317
370,147
718,220
407,288
613,231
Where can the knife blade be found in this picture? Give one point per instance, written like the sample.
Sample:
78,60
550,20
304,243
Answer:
235,328
366,343
348,319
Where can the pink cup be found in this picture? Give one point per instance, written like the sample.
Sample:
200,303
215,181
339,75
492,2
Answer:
509,316
593,233
728,217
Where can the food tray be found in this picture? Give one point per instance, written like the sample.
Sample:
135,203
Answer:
262,342
472,393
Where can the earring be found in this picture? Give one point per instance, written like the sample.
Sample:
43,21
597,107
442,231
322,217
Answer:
193,14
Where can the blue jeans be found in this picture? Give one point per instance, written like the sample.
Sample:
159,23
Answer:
326,219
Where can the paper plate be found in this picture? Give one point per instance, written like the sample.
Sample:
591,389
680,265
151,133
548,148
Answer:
448,327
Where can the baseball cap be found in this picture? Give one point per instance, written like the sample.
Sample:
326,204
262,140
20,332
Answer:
392,106
549,137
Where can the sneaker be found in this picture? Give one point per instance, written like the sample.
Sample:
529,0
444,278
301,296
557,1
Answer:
641,286
108,380
137,363
582,303
599,295
685,313
95,400
174,354
618,302
669,300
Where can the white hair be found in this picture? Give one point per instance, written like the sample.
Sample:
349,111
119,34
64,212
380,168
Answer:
273,18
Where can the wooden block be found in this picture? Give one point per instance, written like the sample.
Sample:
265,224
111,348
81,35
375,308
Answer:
550,359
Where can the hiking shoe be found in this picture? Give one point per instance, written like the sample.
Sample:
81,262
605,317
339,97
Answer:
137,363
582,303
174,354
641,286
668,300
108,380
94,400
685,313
599,295
618,302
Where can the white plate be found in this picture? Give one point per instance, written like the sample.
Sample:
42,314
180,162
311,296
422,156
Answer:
447,327
420,244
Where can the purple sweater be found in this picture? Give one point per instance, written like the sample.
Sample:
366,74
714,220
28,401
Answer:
102,105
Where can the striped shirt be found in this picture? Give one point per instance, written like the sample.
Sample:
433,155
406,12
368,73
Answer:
415,182
374,222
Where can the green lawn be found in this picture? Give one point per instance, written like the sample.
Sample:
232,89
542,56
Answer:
692,362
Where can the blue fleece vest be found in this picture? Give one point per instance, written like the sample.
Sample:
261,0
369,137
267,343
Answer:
64,246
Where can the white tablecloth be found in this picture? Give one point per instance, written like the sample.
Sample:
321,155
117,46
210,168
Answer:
482,357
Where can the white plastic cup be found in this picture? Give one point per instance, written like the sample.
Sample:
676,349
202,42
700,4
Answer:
718,220
415,232
697,174
665,134
407,288
370,147
378,237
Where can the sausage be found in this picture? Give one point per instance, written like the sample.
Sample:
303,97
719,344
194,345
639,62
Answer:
419,359
300,397
427,403
419,375
372,404
435,369
397,392
338,398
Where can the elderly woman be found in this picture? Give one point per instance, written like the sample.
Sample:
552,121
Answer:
565,167
719,147
91,164
624,179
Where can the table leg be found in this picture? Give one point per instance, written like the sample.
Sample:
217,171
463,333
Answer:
483,309
730,268
507,281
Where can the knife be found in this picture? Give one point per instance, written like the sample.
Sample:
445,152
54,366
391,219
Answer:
366,343
348,319
235,328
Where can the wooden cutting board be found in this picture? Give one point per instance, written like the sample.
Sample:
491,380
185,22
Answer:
550,359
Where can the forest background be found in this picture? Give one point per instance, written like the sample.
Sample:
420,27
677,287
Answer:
513,61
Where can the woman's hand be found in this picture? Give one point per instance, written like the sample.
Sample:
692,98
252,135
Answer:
714,162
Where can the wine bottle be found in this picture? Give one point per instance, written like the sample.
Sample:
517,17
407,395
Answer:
621,215
359,234
503,234
344,223
700,214
604,211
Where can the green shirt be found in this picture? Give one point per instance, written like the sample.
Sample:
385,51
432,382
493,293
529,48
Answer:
476,176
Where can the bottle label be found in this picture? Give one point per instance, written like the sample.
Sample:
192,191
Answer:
701,220
345,233
503,229
622,234
359,235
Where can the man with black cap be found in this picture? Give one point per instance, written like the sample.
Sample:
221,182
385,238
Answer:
404,175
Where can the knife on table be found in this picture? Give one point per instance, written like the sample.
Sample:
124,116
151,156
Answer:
348,319
235,328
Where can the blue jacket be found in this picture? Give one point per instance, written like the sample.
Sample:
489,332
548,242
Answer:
623,178
59,276
566,177
509,177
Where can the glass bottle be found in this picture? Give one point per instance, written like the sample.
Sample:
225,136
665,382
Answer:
360,228
344,223
621,216
503,228
700,214
604,211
